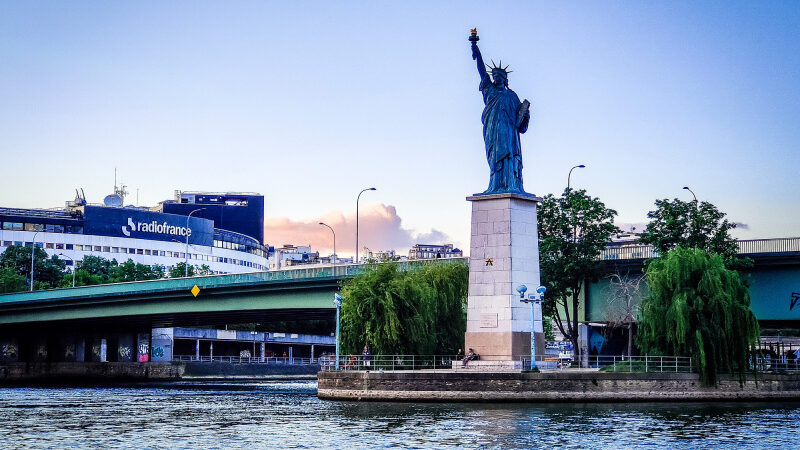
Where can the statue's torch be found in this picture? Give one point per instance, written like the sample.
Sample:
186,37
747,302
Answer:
473,35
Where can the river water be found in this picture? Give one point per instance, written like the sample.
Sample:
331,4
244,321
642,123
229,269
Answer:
289,415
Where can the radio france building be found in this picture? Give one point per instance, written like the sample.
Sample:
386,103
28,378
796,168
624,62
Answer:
225,231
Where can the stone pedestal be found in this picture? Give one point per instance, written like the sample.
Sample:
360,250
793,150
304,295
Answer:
504,254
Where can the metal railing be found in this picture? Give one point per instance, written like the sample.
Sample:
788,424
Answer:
761,363
643,364
746,247
389,362
245,359
605,363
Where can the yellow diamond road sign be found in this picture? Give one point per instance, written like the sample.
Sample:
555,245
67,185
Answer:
195,290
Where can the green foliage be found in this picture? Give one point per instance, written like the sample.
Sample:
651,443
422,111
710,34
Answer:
573,229
421,311
45,270
692,225
699,308
130,271
179,270
11,281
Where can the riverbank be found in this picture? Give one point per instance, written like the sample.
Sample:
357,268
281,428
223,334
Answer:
557,386
99,372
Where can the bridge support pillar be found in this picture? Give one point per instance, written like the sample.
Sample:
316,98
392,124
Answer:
262,351
211,350
125,349
312,353
197,349
100,350
291,356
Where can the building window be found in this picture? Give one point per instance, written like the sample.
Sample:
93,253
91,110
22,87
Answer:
68,246
6,243
132,251
140,251
12,225
34,227
59,246
106,249
48,245
147,251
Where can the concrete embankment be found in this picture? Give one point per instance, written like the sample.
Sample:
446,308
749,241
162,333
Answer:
91,372
566,386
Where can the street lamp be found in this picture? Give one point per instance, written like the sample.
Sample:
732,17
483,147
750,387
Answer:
581,166
186,264
73,267
695,197
337,302
334,246
533,299
33,251
357,199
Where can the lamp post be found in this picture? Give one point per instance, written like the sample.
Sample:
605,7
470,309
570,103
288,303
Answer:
337,302
73,267
33,251
357,199
186,264
333,259
695,197
581,166
533,299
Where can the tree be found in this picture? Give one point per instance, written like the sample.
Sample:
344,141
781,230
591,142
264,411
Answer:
689,225
699,308
450,283
573,229
11,281
45,270
179,270
130,271
420,311
96,265
624,301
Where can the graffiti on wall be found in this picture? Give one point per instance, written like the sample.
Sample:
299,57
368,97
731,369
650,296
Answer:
158,352
41,352
124,353
69,352
794,301
8,351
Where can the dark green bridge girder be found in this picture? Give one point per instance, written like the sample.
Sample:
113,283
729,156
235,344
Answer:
299,293
240,297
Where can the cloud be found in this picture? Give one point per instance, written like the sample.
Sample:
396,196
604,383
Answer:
742,225
380,228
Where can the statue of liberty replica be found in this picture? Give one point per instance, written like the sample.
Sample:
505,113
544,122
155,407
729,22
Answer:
504,118
504,245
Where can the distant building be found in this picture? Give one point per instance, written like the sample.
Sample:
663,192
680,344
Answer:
428,251
290,255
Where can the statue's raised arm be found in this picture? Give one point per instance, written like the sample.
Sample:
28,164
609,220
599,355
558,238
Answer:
476,53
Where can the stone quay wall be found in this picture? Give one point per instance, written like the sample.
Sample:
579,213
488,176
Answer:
89,371
566,386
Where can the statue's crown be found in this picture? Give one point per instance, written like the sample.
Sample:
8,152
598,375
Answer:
499,67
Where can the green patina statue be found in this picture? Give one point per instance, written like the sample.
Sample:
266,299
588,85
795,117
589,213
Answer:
504,118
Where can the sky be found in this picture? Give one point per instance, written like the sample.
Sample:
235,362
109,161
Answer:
308,103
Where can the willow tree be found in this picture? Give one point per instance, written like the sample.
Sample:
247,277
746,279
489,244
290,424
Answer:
419,311
696,307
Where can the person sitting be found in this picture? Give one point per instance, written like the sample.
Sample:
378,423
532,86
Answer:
470,356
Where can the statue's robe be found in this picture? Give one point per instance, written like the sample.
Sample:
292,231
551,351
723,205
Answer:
501,136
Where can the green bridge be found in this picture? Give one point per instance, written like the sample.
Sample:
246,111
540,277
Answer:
120,314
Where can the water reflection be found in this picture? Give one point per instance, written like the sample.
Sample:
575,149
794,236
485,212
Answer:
288,414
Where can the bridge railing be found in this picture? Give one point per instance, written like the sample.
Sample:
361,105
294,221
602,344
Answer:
746,247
